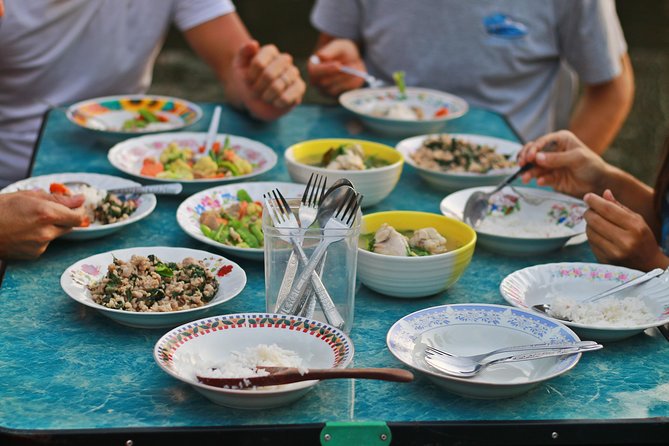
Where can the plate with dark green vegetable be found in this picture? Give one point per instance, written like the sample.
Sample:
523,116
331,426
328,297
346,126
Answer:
134,114
230,217
154,287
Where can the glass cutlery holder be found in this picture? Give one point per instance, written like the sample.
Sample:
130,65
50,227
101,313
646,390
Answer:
337,269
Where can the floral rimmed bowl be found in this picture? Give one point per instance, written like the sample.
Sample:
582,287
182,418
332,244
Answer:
108,114
231,280
542,284
452,181
128,156
189,211
146,203
469,329
371,105
515,226
186,350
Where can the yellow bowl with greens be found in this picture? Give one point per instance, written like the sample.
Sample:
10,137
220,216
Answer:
380,172
415,275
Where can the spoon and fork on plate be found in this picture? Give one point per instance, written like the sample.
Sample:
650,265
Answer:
469,366
477,203
545,308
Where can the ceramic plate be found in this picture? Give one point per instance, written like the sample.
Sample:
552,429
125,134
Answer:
544,283
75,280
108,114
188,213
453,181
437,107
514,226
188,350
146,202
129,155
469,329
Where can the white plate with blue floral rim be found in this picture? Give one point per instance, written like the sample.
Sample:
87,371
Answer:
75,280
514,226
146,203
189,211
469,329
193,348
542,284
436,107
128,156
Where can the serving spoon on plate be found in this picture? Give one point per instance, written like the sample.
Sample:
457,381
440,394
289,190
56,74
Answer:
477,203
546,308
287,375
158,189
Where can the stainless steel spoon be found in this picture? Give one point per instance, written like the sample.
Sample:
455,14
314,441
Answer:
546,308
477,203
371,80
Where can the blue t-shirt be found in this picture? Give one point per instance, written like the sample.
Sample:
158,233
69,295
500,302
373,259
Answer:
664,220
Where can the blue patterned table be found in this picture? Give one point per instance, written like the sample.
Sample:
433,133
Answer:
67,370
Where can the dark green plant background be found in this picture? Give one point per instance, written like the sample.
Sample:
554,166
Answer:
286,23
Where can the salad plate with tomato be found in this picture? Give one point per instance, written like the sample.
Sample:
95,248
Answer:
169,157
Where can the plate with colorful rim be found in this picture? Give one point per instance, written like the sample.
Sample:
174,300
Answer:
134,114
468,329
190,210
514,226
146,203
75,280
196,347
451,180
128,156
542,284
419,111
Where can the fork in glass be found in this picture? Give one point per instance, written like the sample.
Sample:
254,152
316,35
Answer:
334,230
284,220
311,198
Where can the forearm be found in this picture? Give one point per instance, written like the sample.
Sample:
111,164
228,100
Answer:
602,109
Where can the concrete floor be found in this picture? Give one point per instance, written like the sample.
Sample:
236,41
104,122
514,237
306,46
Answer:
645,23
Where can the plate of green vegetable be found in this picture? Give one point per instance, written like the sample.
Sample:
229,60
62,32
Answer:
181,156
134,114
230,217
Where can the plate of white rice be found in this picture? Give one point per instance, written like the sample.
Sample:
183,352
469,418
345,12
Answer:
522,220
93,196
234,345
564,285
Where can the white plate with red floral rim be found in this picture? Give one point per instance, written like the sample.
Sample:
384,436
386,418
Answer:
189,211
191,349
128,156
75,280
542,284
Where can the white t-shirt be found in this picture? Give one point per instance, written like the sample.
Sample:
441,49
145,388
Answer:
58,52
510,56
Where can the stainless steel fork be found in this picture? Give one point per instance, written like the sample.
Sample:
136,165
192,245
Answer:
311,198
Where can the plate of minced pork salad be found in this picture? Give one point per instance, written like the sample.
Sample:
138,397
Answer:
153,287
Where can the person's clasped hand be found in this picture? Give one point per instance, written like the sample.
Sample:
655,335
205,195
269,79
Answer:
273,80
30,220
326,75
